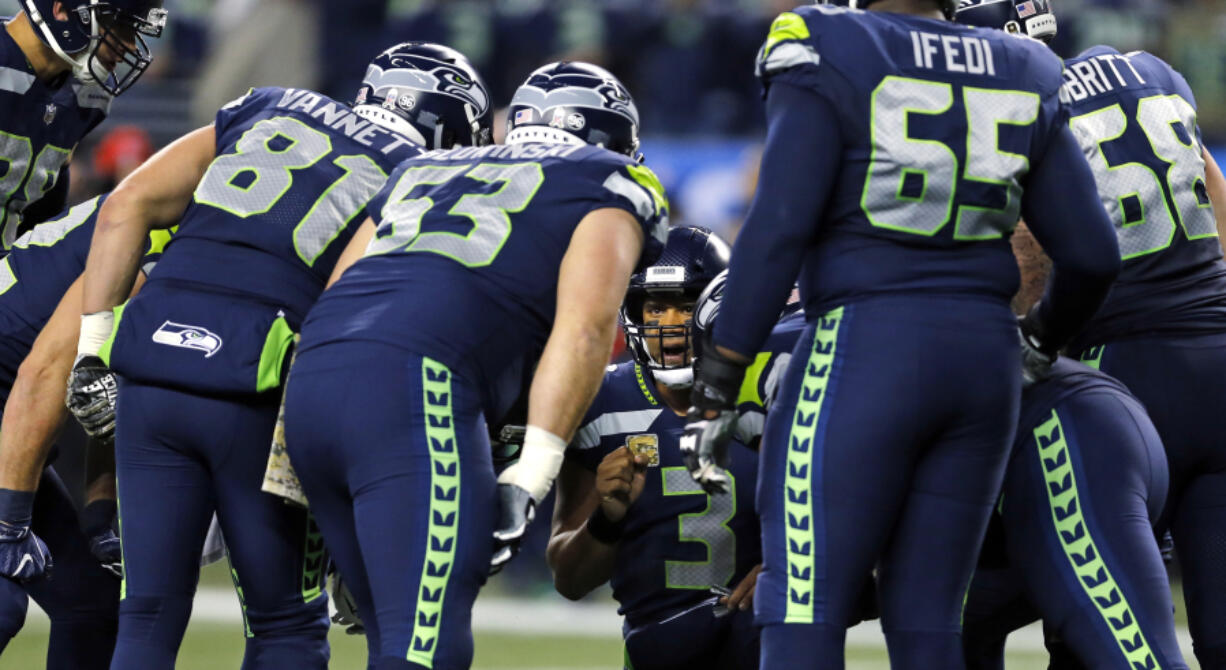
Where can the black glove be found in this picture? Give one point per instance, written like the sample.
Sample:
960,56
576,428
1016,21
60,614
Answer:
516,509
92,389
346,606
704,445
97,522
1037,355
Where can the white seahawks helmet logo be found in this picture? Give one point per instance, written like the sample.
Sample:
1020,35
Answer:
609,97
708,303
188,337
443,78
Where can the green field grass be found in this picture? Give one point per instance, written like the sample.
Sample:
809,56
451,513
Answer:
218,647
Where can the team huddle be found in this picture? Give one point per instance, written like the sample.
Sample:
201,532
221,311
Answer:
861,410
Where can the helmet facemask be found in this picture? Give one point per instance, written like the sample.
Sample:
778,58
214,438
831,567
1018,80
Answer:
667,350
102,27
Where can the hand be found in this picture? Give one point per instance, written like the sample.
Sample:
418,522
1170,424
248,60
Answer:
92,390
105,547
1036,365
346,606
704,448
619,481
23,555
516,509
741,597
711,419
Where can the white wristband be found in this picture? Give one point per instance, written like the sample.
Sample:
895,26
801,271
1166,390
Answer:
539,463
95,329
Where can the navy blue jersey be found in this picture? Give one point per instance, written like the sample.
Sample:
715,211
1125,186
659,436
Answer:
43,263
678,541
940,123
293,174
464,264
1067,377
1135,118
40,125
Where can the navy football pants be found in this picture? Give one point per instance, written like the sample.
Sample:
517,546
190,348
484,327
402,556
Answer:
81,598
394,456
1181,381
1082,494
887,447
694,639
180,457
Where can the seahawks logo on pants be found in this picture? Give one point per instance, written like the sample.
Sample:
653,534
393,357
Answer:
188,337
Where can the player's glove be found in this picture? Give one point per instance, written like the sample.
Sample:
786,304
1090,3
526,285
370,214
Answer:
704,445
346,607
97,522
92,390
23,555
1037,357
516,509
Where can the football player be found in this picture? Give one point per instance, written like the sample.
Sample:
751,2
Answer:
40,306
901,150
61,61
1084,488
273,190
476,264
682,563
1161,331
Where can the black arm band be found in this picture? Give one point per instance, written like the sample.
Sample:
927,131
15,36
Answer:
717,380
604,530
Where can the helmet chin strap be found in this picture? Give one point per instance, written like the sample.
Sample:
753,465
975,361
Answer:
676,378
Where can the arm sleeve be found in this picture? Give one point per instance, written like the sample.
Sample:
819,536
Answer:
52,203
800,165
1062,209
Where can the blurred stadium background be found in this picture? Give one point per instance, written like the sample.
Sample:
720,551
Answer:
689,64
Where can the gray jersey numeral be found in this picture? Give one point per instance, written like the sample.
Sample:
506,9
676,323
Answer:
708,527
400,224
268,171
16,153
912,183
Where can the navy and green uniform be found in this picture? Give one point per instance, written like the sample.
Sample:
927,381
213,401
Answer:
887,442
1085,486
40,125
1162,331
82,600
200,354
436,328
678,541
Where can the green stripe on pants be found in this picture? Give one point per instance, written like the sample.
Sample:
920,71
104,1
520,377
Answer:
798,501
1082,553
444,511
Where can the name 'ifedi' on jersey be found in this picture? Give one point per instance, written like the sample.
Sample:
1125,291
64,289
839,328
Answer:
342,119
963,53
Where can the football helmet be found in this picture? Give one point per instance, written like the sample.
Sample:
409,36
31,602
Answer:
691,259
949,7
575,103
429,93
1033,18
120,25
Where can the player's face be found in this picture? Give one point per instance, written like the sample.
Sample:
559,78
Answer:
672,348
120,34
